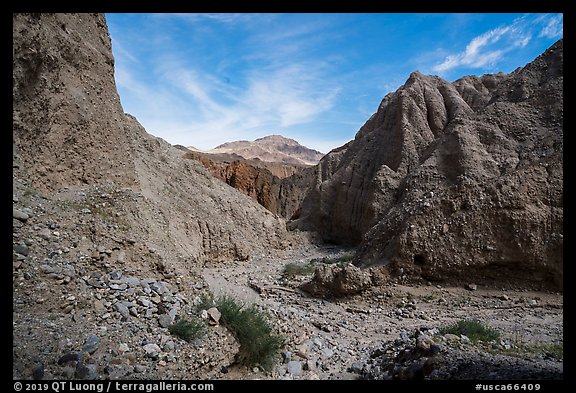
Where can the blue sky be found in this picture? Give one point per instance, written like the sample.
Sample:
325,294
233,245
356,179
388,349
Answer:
205,79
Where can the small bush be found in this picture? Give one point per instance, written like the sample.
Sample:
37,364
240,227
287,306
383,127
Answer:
472,329
188,330
295,269
258,344
551,350
340,261
428,298
206,302
554,351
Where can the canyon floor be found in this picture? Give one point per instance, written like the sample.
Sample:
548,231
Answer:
342,338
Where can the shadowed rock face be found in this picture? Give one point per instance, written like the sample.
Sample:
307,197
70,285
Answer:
278,187
275,171
448,178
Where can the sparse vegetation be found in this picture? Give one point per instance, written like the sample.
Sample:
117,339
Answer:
553,351
258,344
101,212
206,301
29,192
520,348
189,329
472,329
428,298
297,269
340,261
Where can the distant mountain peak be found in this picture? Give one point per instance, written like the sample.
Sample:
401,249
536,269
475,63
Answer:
275,138
271,148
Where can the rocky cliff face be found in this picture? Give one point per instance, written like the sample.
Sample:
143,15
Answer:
255,181
68,124
449,179
278,187
70,132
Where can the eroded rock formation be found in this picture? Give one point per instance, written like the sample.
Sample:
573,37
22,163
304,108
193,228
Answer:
452,179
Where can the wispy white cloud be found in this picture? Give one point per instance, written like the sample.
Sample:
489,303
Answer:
286,89
282,97
476,53
491,46
121,50
292,94
204,79
554,27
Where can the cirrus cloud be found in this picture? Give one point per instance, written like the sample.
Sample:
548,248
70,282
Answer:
489,47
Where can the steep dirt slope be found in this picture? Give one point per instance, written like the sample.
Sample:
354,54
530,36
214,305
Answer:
450,179
68,123
70,130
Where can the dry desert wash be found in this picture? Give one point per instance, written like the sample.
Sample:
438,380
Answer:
429,247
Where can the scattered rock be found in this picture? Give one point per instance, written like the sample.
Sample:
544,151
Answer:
214,315
99,306
91,344
471,287
122,348
45,234
338,281
21,249
38,372
287,356
122,309
85,372
69,357
451,337
294,368
424,342
152,350
356,367
20,215
165,320
139,368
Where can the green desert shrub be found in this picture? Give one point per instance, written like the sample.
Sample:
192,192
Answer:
258,343
340,260
297,269
472,329
189,329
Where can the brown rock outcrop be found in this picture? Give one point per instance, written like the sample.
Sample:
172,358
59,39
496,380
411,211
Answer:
278,187
63,84
338,281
